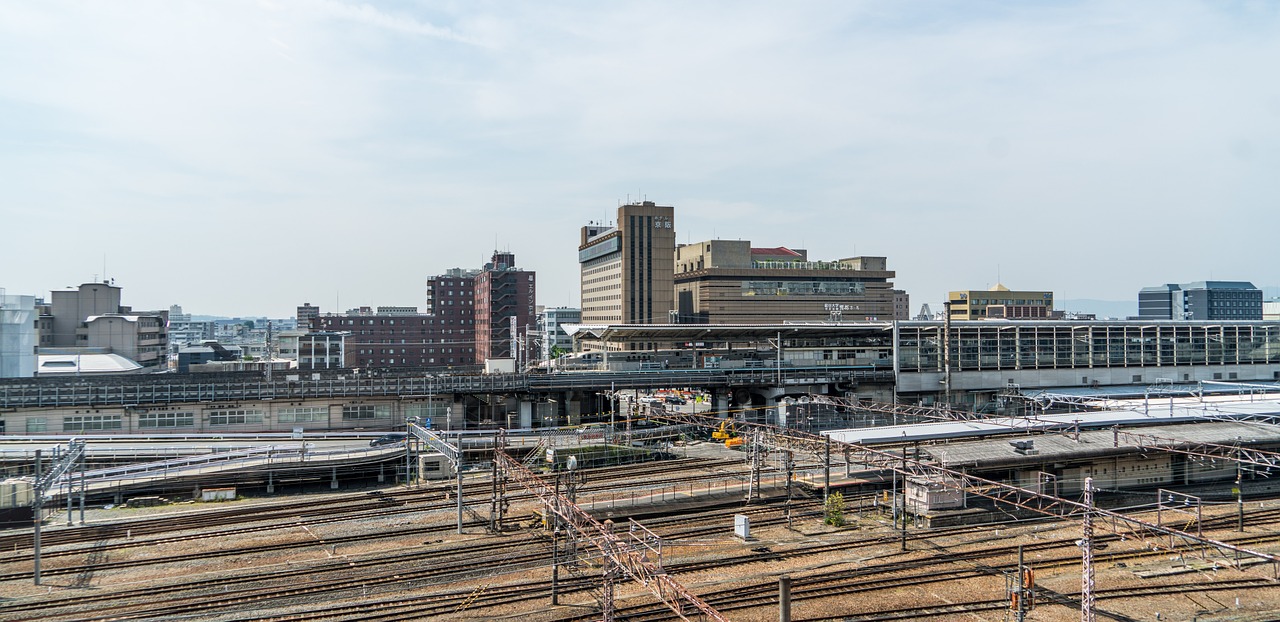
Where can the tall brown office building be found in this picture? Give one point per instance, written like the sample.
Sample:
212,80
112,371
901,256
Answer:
504,308
628,268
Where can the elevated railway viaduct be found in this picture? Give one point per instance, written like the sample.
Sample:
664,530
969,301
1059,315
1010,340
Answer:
251,403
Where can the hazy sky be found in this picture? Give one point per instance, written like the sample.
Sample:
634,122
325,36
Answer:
241,158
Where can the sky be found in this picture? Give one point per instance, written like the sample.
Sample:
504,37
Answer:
242,158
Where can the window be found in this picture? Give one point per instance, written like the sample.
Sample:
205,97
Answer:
91,422
166,420
235,417
302,414
37,425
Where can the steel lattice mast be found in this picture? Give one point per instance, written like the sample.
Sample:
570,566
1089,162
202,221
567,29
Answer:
628,556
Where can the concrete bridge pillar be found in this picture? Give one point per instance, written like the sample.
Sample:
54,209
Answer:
719,402
573,408
525,420
455,415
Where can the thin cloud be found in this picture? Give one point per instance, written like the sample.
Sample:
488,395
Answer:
371,16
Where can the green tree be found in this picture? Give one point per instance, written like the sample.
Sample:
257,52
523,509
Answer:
248,324
835,510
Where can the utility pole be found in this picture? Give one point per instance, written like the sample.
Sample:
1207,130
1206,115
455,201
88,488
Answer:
1021,589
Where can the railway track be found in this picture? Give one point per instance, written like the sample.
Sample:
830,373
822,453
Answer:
371,505
291,593
387,570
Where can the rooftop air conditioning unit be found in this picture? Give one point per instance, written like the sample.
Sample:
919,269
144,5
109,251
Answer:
1026,448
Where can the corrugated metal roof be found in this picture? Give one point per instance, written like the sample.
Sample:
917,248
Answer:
996,453
1152,414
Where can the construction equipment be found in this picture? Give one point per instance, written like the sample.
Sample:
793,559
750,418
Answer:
726,431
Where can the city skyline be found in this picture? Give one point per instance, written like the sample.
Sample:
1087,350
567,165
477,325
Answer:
242,159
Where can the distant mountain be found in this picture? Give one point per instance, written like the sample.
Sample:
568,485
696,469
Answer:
1119,309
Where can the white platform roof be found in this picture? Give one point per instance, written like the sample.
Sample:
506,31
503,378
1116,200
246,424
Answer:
72,364
1155,413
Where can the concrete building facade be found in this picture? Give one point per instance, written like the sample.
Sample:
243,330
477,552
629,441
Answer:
729,282
1001,302
627,269
91,316
901,305
69,308
140,338
1201,300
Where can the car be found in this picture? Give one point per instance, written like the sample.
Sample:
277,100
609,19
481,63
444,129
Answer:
390,439
676,399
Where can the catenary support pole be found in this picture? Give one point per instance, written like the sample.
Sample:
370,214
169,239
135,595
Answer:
35,515
1087,613
826,472
904,497
457,467
784,598
82,485
70,488
1239,496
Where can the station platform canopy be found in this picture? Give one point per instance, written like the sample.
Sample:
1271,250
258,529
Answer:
1142,415
1150,390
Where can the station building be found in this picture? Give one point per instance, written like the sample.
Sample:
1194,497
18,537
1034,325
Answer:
730,282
